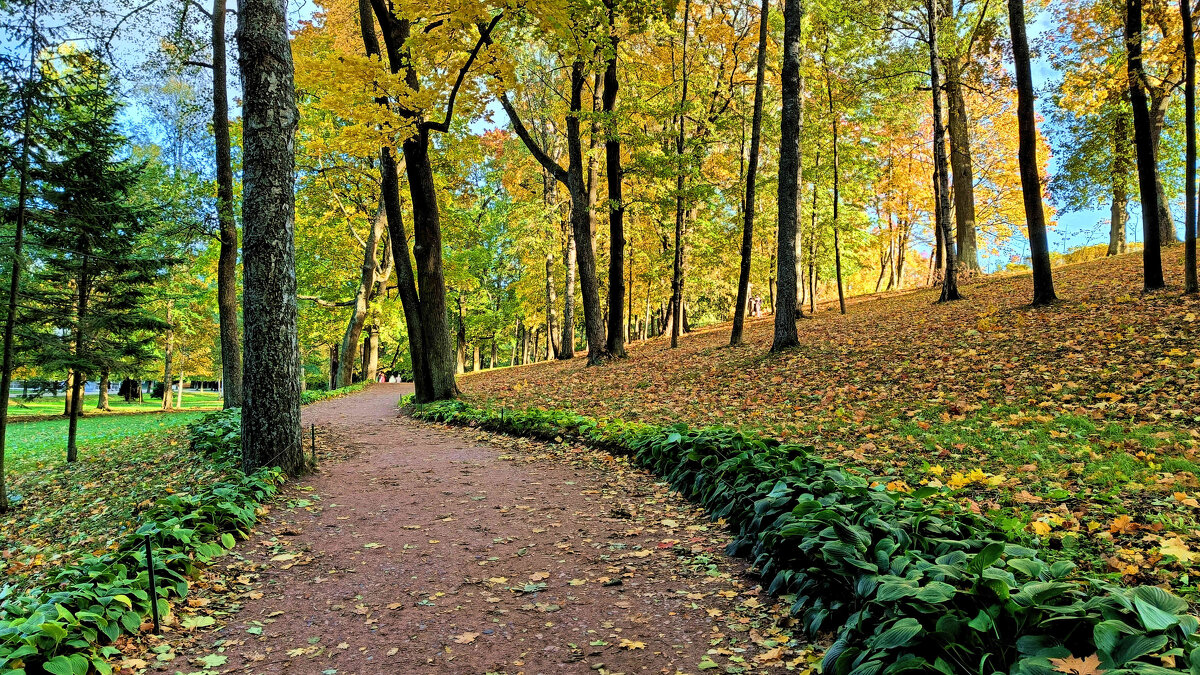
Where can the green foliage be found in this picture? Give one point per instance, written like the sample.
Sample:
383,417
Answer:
314,395
905,581
68,625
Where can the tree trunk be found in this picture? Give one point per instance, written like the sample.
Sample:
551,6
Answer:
1160,102
581,224
76,400
549,185
406,284
789,173
333,367
427,251
389,188
271,394
1119,213
1190,284
371,371
102,394
14,286
168,376
512,355
1146,161
570,261
960,166
940,179
616,204
460,348
179,396
1031,185
743,293
227,308
362,298
680,215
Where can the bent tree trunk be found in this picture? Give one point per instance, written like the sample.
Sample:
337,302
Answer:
1031,186
743,293
271,396
580,246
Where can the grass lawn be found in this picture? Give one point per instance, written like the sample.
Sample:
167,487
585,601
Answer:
1079,422
192,400
126,462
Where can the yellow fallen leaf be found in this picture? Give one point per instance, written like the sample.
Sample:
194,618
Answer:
465,638
773,654
631,644
1176,547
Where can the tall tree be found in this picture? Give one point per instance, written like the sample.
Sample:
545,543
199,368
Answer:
1031,185
426,302
91,275
680,183
941,181
1146,157
743,292
616,202
573,178
14,286
231,344
789,176
1190,284
273,378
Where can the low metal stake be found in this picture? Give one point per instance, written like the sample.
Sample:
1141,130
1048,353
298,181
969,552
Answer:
153,585
313,444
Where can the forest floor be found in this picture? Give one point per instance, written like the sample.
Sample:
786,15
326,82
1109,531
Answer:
418,548
1079,422
126,463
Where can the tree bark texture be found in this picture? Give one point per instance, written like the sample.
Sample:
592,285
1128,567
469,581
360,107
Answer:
272,374
789,174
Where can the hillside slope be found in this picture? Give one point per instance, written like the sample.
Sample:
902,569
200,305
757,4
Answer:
1068,417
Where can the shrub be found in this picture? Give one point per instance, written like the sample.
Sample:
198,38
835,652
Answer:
314,395
906,581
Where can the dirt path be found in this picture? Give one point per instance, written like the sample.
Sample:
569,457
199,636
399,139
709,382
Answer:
435,550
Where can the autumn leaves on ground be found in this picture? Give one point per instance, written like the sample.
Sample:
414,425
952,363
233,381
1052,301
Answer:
1079,423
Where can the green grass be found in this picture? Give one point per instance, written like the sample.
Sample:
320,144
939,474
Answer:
192,400
36,444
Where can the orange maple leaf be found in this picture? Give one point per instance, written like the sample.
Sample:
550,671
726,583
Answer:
1077,666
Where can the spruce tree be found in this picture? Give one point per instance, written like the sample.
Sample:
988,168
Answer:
89,280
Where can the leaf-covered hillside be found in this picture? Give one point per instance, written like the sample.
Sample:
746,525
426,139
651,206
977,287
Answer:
1078,422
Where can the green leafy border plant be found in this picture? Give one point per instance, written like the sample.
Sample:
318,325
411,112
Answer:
905,581
314,395
67,627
